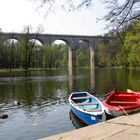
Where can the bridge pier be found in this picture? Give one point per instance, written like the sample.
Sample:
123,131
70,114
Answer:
71,58
92,79
71,40
93,53
72,81
92,58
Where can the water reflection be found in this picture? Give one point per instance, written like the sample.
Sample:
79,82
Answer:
92,79
72,81
45,98
77,123
103,81
74,76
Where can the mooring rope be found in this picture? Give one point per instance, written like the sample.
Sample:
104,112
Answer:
125,112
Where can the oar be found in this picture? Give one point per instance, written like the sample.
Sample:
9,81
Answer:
108,94
131,91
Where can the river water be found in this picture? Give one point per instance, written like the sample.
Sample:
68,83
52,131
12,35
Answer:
44,109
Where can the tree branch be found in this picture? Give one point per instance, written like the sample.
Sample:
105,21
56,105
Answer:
126,15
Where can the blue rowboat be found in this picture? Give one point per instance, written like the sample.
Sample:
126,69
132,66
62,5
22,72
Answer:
87,107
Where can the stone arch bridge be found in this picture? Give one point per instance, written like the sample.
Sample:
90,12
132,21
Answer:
71,40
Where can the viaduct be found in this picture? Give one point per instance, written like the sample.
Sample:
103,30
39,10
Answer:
71,40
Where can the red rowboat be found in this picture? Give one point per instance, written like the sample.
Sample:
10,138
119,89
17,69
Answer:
119,103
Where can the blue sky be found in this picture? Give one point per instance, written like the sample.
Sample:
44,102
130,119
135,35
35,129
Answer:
15,14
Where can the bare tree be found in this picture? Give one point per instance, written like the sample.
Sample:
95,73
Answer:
28,45
119,12
67,5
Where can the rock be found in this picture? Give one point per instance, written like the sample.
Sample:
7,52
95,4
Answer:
17,102
3,116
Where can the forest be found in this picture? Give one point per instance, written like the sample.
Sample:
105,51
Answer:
122,51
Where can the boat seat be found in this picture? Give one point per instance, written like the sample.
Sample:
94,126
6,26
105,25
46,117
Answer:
90,103
123,102
94,110
84,97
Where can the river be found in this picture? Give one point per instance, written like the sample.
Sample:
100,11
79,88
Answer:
44,109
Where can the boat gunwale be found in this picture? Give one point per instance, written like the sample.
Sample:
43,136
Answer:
85,111
131,105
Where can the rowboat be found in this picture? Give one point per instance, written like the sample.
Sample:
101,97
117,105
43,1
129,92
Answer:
120,103
87,107
131,91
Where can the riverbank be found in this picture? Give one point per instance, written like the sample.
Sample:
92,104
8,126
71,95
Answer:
45,69
122,128
24,70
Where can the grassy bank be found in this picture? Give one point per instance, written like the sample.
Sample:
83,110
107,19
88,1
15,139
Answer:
45,69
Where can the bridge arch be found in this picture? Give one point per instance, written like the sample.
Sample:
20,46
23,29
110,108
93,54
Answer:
82,53
71,40
59,42
35,42
9,42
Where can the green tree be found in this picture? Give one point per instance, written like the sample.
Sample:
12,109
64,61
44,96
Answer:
28,48
102,55
132,45
82,55
64,56
2,51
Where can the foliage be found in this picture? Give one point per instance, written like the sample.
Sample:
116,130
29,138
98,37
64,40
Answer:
82,55
102,55
27,54
122,53
55,56
132,45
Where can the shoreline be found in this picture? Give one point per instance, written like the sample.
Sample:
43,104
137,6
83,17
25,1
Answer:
46,69
121,128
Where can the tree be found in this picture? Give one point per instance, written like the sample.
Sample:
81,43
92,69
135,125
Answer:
2,53
11,50
102,55
28,47
55,56
119,12
82,54
122,12
132,45
69,5
64,55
